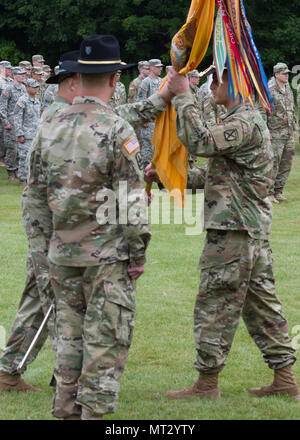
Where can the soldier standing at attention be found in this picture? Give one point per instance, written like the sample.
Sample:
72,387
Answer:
3,84
282,126
119,97
38,61
237,277
147,87
37,294
26,118
8,100
93,264
37,74
27,66
143,67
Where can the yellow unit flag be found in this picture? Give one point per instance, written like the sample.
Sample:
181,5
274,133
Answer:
188,48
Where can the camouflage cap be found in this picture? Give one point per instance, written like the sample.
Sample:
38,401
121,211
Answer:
281,68
46,68
144,64
37,70
30,82
25,64
18,71
38,58
194,73
6,64
155,63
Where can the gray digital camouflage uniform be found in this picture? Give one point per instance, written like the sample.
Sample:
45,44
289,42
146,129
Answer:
237,276
147,88
8,100
106,310
26,120
282,126
2,144
50,94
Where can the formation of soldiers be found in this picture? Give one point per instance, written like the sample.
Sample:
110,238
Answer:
87,141
23,96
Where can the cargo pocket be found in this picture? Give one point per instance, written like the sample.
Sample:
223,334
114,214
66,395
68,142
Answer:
220,277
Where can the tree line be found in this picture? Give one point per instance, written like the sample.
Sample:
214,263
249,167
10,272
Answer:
144,28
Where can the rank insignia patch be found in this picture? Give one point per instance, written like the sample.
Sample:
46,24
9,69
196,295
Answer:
131,145
231,135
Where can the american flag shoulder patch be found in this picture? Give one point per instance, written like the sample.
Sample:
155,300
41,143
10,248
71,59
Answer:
131,145
20,104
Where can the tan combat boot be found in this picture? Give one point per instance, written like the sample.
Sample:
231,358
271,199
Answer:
284,383
280,197
273,199
14,382
87,414
205,387
12,175
2,163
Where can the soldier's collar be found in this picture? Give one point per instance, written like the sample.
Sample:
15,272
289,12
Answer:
88,100
232,110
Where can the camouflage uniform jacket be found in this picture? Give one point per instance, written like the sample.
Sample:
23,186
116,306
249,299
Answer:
239,168
40,227
197,98
58,103
119,96
8,100
148,87
3,84
211,111
50,94
27,116
282,122
133,89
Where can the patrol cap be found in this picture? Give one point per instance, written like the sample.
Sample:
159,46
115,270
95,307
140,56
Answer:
155,63
46,68
281,68
194,73
66,63
30,82
18,71
6,64
144,64
37,70
25,64
38,58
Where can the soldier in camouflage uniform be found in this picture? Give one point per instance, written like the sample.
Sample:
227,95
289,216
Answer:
237,277
298,103
37,74
26,119
8,100
147,87
98,261
38,294
143,67
27,66
282,126
3,84
119,97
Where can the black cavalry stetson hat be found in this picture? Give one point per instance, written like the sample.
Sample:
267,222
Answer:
100,54
67,57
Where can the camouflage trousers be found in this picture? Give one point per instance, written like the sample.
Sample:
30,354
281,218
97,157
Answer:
23,150
95,308
2,144
236,280
147,149
11,163
31,311
284,150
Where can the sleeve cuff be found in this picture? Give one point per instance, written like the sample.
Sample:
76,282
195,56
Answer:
158,101
137,261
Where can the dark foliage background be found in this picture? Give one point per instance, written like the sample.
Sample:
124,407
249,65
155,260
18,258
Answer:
143,27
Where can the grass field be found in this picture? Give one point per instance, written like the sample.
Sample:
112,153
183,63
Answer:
162,353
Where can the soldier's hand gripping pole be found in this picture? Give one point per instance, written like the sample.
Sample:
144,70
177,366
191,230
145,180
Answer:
21,364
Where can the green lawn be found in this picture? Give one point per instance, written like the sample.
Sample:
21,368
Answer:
162,353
